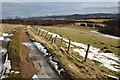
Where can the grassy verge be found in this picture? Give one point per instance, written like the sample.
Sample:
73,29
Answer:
83,35
71,62
7,28
14,50
18,55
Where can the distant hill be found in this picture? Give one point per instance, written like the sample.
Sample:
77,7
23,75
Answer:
78,16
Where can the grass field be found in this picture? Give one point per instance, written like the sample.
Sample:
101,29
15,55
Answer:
83,35
96,20
72,61
6,28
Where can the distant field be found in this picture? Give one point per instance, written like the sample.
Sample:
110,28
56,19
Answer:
8,27
96,20
0,29
83,35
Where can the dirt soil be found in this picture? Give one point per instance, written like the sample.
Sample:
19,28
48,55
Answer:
18,54
27,68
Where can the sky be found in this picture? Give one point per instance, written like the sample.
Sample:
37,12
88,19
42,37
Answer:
25,8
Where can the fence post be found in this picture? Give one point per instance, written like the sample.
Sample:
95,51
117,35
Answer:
61,41
42,33
46,34
38,31
87,53
55,39
52,40
69,45
37,28
50,37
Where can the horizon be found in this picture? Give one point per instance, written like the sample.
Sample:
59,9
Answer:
43,9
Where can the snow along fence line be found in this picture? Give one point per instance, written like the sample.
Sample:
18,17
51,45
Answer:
106,35
53,38
109,60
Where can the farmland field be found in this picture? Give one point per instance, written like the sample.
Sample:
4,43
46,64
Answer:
59,40
84,35
69,63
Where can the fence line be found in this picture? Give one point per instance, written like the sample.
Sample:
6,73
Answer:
53,40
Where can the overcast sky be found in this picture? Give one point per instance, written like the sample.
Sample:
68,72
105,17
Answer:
12,8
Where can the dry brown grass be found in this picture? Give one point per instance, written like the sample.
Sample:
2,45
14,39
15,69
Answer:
18,54
96,20
71,62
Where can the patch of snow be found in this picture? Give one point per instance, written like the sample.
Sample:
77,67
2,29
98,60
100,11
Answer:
2,51
16,72
101,57
107,59
5,34
70,45
10,35
35,77
12,71
54,64
106,35
7,39
38,45
29,45
1,38
7,65
6,68
113,77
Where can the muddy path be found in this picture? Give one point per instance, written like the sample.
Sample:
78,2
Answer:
40,61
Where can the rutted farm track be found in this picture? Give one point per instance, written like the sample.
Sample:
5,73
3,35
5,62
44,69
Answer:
18,56
31,56
26,60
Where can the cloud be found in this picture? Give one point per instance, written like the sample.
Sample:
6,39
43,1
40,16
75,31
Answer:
12,9
60,0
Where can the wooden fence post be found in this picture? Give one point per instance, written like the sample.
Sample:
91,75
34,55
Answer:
69,45
50,37
86,53
61,41
52,40
46,34
42,33
37,28
38,31
55,39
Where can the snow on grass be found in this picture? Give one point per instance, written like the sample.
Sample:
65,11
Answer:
114,77
7,65
38,45
107,59
6,68
103,58
1,38
5,34
106,35
7,39
35,77
29,45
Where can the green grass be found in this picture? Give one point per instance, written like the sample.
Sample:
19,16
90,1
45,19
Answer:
73,62
83,35
6,28
13,51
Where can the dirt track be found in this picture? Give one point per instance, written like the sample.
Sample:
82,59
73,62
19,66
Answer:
27,60
39,61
